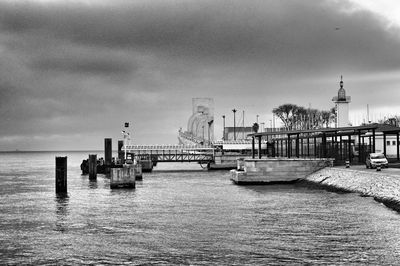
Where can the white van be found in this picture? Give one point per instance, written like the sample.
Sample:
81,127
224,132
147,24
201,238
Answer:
375,159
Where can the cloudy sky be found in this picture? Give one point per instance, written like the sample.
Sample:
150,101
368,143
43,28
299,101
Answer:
71,72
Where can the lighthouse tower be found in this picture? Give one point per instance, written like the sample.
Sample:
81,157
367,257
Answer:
342,106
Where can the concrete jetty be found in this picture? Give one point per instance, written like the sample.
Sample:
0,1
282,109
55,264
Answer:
225,161
275,170
123,177
383,186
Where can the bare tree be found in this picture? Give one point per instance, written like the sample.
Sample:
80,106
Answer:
326,118
298,117
255,127
286,112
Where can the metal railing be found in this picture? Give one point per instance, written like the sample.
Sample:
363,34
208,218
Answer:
172,153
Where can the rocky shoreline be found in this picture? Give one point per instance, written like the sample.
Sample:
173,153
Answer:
383,187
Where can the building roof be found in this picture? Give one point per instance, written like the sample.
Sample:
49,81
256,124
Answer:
238,129
387,129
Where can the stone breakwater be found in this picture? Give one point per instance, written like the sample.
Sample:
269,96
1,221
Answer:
384,187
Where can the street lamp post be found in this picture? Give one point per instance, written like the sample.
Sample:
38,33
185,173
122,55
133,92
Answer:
257,118
234,124
223,130
126,136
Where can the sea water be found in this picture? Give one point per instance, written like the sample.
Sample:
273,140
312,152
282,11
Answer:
182,214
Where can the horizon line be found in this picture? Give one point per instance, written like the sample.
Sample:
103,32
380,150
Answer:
22,151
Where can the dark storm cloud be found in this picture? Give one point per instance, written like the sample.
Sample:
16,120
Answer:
294,33
84,65
102,65
71,67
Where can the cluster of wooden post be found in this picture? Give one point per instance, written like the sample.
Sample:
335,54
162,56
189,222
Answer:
120,175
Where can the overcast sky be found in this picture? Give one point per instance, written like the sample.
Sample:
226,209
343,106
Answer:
71,72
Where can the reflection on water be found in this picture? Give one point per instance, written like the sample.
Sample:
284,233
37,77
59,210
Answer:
93,184
61,212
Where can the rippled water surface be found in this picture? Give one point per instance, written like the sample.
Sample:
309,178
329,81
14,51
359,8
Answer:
183,217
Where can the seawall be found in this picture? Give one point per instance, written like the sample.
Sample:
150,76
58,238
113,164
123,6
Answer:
383,187
275,170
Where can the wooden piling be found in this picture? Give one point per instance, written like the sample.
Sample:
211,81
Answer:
120,152
61,175
107,154
107,151
138,171
92,166
147,165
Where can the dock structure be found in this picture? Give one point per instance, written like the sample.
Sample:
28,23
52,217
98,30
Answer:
123,177
275,170
293,155
172,153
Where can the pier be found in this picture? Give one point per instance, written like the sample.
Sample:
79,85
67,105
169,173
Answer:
172,153
276,170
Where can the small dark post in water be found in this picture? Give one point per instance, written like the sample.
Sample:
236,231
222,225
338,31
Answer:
107,154
259,147
120,152
92,166
61,175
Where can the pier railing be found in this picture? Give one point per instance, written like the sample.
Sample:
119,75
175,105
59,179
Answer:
172,153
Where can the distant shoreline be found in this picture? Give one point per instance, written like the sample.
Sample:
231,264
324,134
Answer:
19,151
